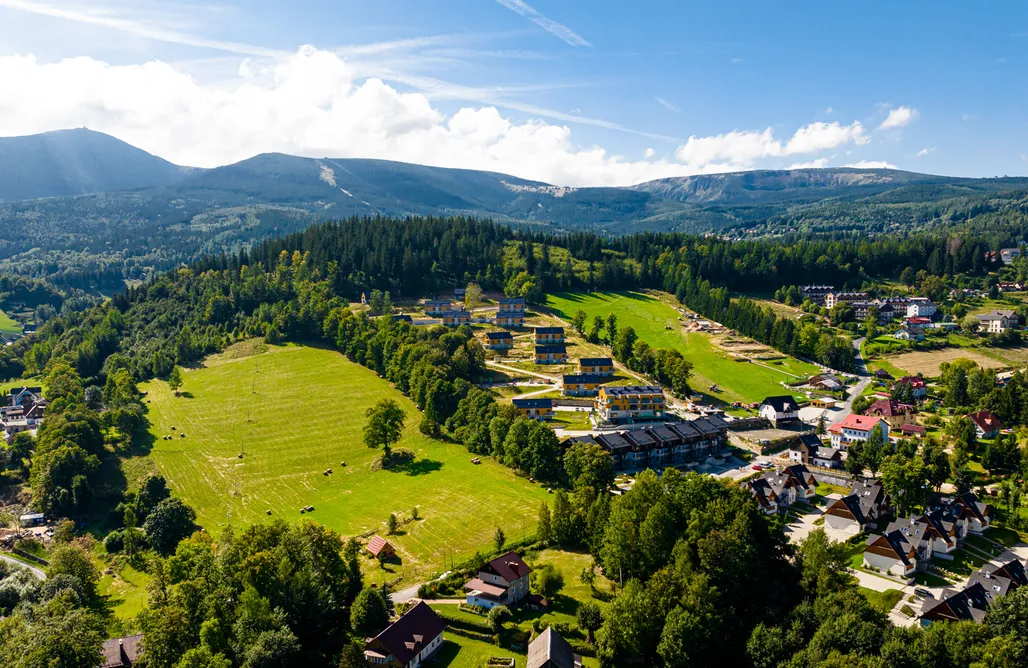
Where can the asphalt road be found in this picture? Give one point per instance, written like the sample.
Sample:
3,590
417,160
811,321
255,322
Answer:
35,570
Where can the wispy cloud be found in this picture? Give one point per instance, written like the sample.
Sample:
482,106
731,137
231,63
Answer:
138,28
549,25
872,164
925,151
668,105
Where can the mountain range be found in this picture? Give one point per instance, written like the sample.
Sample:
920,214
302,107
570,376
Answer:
79,191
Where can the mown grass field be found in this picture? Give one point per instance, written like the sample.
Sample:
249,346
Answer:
299,411
8,325
927,362
649,317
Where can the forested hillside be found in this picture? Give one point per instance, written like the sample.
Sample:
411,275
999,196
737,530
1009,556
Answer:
141,215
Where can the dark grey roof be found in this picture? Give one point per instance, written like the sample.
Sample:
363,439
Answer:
549,330
573,378
532,403
613,442
781,404
596,361
545,350
550,647
401,637
499,335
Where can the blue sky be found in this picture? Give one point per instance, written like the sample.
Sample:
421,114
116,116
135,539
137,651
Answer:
575,93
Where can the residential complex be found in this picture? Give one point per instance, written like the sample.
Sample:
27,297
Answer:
630,402
497,341
580,385
551,354
660,446
548,335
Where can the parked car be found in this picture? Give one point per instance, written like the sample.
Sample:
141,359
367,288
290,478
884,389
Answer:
923,593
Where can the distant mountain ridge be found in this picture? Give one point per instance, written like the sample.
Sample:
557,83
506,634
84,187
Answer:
77,162
87,206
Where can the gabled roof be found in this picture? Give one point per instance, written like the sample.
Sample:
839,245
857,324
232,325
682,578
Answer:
762,491
810,441
912,381
801,475
509,566
498,335
511,300
552,349
985,421
849,503
913,429
1013,569
549,330
967,605
890,408
977,508
781,404
401,638
897,544
596,361
377,544
118,652
550,647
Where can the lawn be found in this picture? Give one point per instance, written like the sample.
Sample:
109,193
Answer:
648,316
299,411
826,488
125,591
461,652
883,601
564,605
1007,537
574,420
930,580
9,325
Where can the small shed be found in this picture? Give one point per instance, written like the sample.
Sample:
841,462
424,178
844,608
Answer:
380,548
31,520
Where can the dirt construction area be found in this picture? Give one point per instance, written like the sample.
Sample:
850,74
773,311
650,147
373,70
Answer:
927,363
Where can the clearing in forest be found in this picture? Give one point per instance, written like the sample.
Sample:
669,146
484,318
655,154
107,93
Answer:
298,411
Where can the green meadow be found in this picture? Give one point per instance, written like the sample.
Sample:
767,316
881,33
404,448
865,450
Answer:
649,317
295,412
8,325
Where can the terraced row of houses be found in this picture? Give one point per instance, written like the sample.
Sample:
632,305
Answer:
621,403
660,446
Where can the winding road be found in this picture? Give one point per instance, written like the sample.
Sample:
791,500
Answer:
35,570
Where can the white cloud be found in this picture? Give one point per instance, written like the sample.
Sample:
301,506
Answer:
820,163
742,148
968,117
649,153
872,164
925,151
829,110
556,29
668,105
313,103
899,117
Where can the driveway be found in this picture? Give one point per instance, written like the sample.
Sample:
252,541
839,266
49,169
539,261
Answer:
846,407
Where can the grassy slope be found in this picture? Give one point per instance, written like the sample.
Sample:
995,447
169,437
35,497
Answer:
306,409
648,316
8,325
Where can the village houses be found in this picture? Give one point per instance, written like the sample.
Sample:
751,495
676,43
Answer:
502,581
857,428
629,402
600,366
534,409
780,410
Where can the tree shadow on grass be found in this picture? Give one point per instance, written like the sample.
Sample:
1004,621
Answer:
417,467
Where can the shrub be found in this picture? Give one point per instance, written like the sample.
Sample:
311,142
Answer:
114,542
497,617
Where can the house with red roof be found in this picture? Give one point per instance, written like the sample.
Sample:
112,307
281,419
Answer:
502,581
918,388
857,428
986,424
380,548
